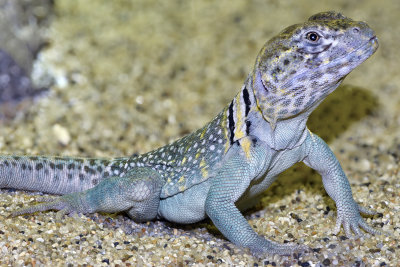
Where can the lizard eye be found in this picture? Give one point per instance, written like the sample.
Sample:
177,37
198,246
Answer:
312,36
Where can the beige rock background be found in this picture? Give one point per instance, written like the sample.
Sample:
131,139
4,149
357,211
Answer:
133,75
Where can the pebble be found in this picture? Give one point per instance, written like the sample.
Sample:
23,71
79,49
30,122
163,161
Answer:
62,135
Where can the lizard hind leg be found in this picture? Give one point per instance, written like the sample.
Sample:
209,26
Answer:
137,192
146,193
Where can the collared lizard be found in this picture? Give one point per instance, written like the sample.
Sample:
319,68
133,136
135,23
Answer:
219,169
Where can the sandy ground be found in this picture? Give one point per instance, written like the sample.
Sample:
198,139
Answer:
133,75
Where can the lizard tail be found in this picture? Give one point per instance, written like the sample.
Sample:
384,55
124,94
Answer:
54,175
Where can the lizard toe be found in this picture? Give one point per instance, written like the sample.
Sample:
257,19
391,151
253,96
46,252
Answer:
357,231
370,229
366,210
287,249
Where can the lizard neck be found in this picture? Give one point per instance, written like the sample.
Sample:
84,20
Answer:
286,134
244,118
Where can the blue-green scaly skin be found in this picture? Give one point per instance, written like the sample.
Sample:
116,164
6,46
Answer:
230,161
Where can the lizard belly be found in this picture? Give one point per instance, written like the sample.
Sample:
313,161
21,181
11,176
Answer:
187,206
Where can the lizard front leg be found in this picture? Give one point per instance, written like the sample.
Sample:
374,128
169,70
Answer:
137,192
244,161
321,158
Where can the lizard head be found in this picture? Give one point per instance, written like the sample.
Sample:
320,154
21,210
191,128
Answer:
299,67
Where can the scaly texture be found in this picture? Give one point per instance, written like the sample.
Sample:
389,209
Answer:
221,168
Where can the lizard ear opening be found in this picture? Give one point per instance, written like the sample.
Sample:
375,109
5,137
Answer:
258,83
264,97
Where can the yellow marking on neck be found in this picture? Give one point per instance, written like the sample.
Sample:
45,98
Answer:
227,145
182,179
239,119
197,155
246,144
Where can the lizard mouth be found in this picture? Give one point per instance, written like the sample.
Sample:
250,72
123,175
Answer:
372,43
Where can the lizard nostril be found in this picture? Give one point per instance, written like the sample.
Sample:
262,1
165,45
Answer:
356,30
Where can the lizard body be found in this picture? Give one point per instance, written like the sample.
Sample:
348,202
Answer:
219,169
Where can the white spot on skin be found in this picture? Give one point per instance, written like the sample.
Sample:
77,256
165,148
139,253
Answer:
212,147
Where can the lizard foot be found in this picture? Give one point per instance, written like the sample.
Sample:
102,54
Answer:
349,216
67,204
